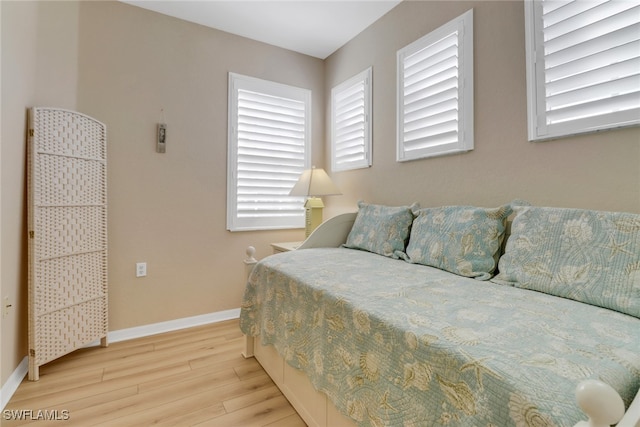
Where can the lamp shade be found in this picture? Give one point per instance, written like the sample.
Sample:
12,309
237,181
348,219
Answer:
314,182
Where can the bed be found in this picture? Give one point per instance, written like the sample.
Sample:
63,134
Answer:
357,337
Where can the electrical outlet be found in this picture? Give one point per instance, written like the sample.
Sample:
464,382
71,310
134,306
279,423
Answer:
141,269
6,305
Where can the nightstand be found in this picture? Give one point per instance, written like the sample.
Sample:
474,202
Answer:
285,247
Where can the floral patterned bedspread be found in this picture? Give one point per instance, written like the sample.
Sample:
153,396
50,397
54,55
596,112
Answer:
393,343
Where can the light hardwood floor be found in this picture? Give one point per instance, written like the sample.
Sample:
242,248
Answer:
194,376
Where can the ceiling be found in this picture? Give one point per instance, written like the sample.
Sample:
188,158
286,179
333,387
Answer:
312,27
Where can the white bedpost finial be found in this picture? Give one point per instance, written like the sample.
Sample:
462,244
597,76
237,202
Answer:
251,251
602,404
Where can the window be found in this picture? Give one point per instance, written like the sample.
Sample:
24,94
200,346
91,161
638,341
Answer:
435,92
583,66
351,123
269,146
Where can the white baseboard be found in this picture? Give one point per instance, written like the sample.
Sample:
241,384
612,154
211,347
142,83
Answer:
14,380
11,385
170,325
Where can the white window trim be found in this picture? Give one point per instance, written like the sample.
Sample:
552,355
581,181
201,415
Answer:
364,78
239,82
538,129
463,25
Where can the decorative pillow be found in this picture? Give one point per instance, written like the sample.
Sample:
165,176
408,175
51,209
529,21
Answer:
587,256
381,229
464,240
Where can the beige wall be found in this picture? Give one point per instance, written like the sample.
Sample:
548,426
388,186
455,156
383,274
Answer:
599,171
39,68
169,210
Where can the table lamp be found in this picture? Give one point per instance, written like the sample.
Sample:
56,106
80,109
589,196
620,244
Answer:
312,184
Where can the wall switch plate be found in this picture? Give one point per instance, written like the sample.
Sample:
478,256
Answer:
141,269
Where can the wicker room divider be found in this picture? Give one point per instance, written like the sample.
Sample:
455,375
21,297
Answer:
67,186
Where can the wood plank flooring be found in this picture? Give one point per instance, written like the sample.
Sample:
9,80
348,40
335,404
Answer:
191,377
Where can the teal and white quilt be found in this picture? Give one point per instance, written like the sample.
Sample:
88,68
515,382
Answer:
400,344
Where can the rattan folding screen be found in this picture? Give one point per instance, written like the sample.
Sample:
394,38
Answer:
67,181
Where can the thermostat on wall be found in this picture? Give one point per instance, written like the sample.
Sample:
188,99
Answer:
162,138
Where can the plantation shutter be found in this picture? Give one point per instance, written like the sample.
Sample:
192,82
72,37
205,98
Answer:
351,123
269,150
435,105
587,66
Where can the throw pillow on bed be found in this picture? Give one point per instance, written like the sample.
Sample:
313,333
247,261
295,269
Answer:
464,240
587,256
383,230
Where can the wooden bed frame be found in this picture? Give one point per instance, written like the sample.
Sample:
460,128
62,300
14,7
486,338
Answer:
602,405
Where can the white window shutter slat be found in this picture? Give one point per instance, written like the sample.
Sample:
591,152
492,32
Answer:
593,77
561,10
590,21
595,108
